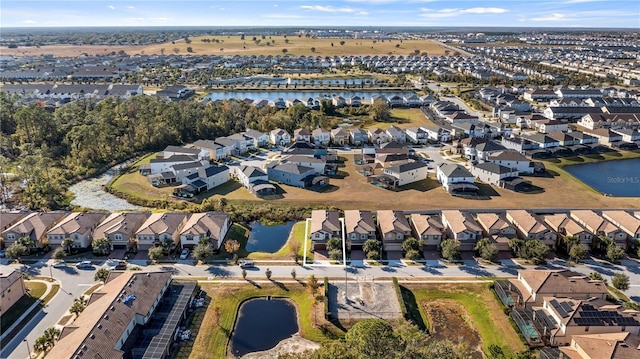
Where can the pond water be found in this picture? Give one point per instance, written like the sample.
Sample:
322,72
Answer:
300,95
620,178
90,193
268,238
262,323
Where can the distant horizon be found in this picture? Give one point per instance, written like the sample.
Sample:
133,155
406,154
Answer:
561,14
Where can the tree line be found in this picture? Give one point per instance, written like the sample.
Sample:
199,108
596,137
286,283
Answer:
49,150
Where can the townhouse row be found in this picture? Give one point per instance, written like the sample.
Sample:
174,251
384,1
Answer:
392,227
124,230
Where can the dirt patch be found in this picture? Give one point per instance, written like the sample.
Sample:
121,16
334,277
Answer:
65,320
295,344
450,321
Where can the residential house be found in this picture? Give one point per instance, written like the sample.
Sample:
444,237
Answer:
429,228
438,133
12,289
358,136
216,151
620,345
587,315
339,101
396,134
259,139
183,170
359,227
78,226
628,134
498,175
120,228
530,226
412,100
605,136
161,229
468,129
161,164
211,225
598,226
625,221
339,136
512,159
394,229
497,228
455,178
302,135
324,226
295,175
318,164
484,150
255,180
321,136
462,227
416,135
199,154
565,226
279,137
355,101
377,136
408,172
7,219
34,226
123,306
396,101
533,285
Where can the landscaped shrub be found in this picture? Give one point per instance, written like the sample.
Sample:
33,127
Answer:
325,299
403,306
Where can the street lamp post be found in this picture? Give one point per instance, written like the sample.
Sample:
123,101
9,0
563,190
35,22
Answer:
50,271
28,346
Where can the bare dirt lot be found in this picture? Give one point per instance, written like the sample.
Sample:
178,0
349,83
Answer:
450,321
366,299
295,344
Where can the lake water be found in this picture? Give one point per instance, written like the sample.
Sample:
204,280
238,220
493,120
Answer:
262,323
300,95
619,178
268,238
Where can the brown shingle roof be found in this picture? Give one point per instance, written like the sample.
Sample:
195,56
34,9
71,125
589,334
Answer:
323,220
209,223
159,223
38,223
127,222
561,281
622,345
77,222
360,222
392,221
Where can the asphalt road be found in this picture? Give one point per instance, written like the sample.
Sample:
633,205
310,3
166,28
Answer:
75,282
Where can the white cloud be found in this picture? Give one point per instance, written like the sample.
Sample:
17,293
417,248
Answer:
330,9
392,1
362,13
28,22
580,1
131,7
111,7
556,16
282,16
275,5
451,12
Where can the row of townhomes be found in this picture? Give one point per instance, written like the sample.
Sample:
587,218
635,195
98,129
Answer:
567,315
392,227
124,230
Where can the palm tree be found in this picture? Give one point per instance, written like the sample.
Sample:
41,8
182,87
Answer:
67,243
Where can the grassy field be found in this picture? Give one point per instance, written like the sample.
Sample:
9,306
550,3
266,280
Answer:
559,190
35,291
234,45
486,314
217,325
136,185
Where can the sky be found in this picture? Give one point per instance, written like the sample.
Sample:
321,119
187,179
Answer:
283,13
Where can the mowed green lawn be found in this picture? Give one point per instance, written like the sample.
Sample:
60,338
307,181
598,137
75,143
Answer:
294,45
216,328
486,313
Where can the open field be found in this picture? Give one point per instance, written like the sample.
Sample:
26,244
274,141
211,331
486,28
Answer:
560,190
217,324
485,315
233,45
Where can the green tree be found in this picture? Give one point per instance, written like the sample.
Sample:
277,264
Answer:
486,249
412,254
78,305
58,253
412,244
450,249
334,243
101,275
189,49
202,252
620,281
232,246
371,248
380,111
577,252
67,244
155,253
372,338
313,49
335,254
101,246
16,250
614,253
570,241
313,285
268,273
